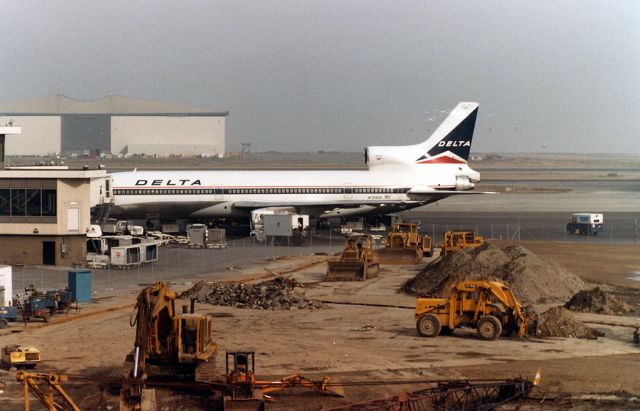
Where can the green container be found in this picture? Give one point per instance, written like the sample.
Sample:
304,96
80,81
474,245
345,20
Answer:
80,282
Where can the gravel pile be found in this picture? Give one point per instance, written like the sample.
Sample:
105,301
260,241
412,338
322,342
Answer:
597,301
277,294
533,279
560,322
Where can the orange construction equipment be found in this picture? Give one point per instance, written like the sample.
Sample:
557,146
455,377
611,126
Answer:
488,306
33,381
404,245
246,393
358,261
167,344
459,240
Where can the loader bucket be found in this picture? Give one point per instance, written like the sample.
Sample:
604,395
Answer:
399,256
346,271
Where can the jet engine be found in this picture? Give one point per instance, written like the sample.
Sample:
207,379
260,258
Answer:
375,156
463,183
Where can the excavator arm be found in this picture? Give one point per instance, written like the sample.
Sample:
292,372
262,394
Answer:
326,386
33,381
508,300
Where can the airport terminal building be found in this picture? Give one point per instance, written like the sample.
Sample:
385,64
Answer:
113,125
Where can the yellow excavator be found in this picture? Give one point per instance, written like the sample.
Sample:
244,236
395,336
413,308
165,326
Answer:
488,306
167,344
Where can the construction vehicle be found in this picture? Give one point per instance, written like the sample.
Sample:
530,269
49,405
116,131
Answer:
7,313
167,344
488,306
358,261
245,392
404,245
34,304
50,385
17,356
459,240
586,224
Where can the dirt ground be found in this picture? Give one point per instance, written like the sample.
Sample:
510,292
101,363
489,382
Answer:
353,341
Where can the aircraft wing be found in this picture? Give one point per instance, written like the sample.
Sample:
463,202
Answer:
430,195
252,205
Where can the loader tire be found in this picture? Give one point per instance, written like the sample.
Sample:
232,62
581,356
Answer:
3,323
489,327
428,325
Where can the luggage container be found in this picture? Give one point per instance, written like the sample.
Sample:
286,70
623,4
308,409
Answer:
216,238
125,256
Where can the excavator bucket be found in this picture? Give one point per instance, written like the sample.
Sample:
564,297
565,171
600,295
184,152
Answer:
399,256
243,404
338,270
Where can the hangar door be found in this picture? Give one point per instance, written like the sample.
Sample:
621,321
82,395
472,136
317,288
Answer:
86,132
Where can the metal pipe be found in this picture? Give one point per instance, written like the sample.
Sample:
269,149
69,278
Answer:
135,366
193,305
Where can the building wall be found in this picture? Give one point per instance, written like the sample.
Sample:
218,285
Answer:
27,249
86,132
200,132
40,135
70,194
74,194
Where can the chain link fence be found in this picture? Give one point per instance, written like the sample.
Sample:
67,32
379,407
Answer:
179,263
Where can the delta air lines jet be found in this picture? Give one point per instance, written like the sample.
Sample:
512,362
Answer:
398,178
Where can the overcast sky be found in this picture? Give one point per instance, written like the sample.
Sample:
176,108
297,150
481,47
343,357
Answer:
560,76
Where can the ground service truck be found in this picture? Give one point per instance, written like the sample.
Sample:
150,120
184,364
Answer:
585,224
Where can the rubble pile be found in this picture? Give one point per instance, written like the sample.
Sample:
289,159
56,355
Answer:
532,279
278,294
560,322
597,301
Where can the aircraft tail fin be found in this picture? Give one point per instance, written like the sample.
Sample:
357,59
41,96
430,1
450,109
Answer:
451,142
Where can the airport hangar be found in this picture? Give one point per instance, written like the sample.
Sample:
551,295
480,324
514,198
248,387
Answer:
113,125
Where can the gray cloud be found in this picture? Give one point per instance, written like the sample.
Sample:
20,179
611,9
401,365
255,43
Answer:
309,75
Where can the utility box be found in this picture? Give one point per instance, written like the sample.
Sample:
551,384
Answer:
80,283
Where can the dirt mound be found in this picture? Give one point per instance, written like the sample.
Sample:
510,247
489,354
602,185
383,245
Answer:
533,279
597,301
560,322
277,294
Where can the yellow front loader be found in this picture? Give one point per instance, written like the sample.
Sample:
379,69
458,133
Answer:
488,306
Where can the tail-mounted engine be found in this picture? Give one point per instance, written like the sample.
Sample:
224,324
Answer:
463,183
